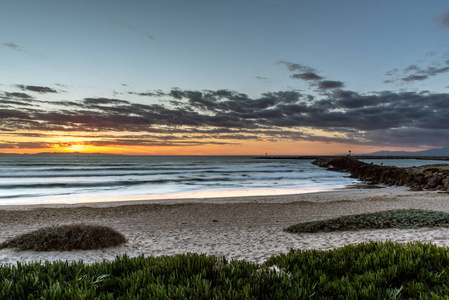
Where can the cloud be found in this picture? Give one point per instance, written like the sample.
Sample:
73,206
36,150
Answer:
194,117
422,74
38,89
442,21
148,94
431,71
181,117
14,47
18,95
411,68
306,76
14,99
303,72
217,116
104,101
310,75
414,78
294,67
330,84
416,73
157,141
18,48
24,145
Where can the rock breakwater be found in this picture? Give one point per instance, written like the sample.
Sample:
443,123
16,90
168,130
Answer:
428,177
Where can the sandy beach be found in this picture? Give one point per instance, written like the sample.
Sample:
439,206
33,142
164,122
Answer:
247,228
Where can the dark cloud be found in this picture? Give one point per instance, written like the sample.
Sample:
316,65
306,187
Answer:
148,94
411,68
213,116
15,99
330,84
303,72
431,71
28,134
24,145
422,74
38,89
442,21
417,73
293,67
18,95
306,76
104,101
414,78
157,141
310,75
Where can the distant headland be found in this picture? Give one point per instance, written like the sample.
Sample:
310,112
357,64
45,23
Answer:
357,156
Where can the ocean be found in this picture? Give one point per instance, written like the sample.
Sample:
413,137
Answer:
33,179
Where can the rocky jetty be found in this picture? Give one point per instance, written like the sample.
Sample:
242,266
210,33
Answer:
428,177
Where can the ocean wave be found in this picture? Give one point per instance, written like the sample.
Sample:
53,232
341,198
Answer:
78,184
53,178
16,196
70,173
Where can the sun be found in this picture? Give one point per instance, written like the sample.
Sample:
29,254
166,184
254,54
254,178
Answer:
77,148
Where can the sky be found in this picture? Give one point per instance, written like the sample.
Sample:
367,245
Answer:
247,77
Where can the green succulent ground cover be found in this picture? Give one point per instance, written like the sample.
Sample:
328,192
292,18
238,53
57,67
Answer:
365,271
66,237
401,218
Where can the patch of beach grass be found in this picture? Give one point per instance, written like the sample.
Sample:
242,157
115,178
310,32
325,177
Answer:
400,218
365,271
66,237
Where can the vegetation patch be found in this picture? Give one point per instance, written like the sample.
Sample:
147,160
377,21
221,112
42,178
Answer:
365,271
401,218
66,237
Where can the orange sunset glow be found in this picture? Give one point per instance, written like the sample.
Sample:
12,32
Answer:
228,147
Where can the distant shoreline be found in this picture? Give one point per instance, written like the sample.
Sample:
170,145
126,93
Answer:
357,156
